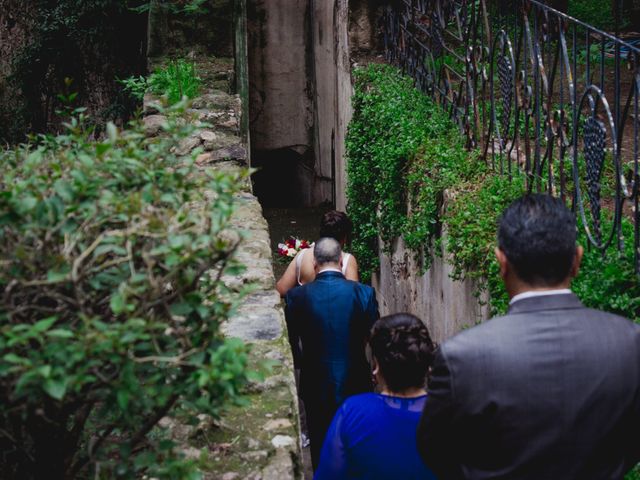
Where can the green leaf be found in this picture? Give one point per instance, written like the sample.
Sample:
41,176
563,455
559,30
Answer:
64,190
102,148
58,275
44,324
181,308
60,333
123,399
55,388
112,132
13,358
26,204
117,303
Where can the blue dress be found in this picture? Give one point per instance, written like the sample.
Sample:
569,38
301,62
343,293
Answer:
373,436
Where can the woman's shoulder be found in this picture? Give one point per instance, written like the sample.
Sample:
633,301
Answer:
361,402
359,408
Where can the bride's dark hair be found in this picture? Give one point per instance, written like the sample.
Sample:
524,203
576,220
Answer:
403,348
335,224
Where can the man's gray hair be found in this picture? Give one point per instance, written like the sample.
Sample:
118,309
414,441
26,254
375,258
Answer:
327,250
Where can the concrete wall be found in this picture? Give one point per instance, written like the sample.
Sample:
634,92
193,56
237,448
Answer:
333,95
300,94
445,305
281,101
364,35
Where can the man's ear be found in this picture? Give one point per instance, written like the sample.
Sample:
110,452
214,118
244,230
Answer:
577,260
502,261
315,265
375,368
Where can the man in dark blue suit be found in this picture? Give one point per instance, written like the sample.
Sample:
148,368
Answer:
331,317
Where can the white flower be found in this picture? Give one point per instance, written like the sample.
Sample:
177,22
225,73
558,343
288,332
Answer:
291,252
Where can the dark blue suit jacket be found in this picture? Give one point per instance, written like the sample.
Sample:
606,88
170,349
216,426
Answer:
332,317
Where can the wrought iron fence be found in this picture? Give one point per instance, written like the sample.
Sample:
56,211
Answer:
537,91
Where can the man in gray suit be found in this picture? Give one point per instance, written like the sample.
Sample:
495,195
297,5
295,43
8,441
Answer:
549,391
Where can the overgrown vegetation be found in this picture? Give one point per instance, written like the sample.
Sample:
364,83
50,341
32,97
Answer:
176,80
398,159
405,155
93,42
111,256
89,41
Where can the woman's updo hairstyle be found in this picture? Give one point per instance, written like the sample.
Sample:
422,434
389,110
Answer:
335,224
403,349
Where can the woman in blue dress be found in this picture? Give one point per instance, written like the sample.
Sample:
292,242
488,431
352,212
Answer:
373,435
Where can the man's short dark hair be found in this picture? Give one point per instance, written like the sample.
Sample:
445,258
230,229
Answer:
537,233
336,225
327,250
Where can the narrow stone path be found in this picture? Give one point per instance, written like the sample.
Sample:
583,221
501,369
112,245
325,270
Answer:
303,223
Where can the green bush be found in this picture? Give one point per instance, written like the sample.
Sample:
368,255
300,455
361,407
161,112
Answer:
177,80
110,261
472,220
401,150
405,156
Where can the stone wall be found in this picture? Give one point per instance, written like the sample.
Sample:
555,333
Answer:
259,440
445,305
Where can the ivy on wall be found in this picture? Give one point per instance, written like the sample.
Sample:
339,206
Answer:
404,155
403,151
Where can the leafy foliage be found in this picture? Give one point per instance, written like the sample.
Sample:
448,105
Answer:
89,41
179,78
605,282
410,175
472,220
402,150
608,282
111,255
190,7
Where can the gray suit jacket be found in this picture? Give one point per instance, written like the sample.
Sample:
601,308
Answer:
549,391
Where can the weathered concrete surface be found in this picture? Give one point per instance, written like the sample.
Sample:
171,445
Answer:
445,305
281,102
300,88
364,35
259,440
300,94
333,95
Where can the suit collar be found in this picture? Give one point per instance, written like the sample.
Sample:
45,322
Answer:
546,302
329,274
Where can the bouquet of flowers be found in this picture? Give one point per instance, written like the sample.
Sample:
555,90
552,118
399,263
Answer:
292,246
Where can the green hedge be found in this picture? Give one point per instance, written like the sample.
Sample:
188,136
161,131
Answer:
111,257
404,153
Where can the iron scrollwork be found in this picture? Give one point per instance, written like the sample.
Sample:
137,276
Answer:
537,91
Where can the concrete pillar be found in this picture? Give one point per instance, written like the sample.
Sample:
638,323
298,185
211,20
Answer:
333,95
241,57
